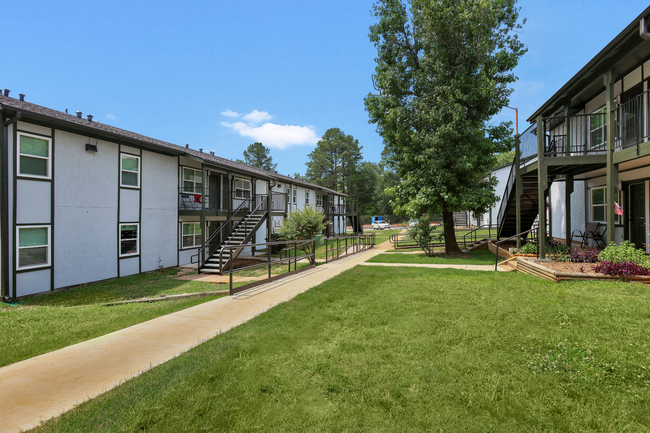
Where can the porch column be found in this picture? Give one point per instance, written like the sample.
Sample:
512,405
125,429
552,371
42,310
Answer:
519,189
228,193
542,185
612,169
269,217
568,190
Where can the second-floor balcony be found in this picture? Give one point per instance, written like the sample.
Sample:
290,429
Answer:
193,199
587,134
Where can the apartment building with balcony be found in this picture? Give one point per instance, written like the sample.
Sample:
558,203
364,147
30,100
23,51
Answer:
588,148
82,202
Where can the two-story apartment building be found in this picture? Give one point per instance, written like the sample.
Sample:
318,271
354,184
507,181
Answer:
588,149
83,201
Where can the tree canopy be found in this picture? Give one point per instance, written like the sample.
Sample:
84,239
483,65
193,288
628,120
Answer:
443,71
258,155
334,161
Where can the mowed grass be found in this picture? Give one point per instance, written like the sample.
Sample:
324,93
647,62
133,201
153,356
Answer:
406,349
45,323
481,257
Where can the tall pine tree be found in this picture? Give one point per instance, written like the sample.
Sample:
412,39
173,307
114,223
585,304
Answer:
443,71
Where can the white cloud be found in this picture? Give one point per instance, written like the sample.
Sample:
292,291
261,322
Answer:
256,116
230,113
273,135
111,116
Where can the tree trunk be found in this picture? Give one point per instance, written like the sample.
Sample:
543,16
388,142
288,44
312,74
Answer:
451,246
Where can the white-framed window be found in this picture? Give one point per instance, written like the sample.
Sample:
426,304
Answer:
33,246
306,198
242,188
192,181
598,129
129,239
130,171
319,200
598,203
191,235
294,200
34,156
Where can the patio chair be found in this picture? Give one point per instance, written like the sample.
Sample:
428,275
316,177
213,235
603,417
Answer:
599,238
591,228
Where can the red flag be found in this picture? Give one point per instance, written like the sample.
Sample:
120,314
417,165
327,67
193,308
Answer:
618,210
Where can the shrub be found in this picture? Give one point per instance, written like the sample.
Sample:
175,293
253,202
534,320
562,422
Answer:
578,256
276,237
625,252
620,269
528,249
303,224
426,235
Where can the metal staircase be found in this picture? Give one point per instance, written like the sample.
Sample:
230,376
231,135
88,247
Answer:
215,260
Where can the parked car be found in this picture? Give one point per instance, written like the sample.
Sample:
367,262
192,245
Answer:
380,225
413,223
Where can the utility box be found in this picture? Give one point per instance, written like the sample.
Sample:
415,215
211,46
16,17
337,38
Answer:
376,219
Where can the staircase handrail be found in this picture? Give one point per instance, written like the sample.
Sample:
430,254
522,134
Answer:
224,246
496,260
489,227
206,244
506,196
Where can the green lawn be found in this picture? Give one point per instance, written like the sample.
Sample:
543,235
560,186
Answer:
45,323
481,257
406,349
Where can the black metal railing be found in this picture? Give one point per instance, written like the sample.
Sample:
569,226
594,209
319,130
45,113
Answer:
402,241
336,248
260,203
580,134
479,234
192,198
507,192
295,246
528,145
534,230
632,121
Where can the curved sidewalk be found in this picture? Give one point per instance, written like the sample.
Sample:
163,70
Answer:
48,385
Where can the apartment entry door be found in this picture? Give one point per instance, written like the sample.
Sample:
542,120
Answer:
213,226
637,206
215,191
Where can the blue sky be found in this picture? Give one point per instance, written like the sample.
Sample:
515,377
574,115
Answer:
221,75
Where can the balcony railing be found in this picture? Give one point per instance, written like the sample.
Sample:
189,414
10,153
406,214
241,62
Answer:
633,122
192,198
582,134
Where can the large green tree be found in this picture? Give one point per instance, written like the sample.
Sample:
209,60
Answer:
258,155
334,161
443,71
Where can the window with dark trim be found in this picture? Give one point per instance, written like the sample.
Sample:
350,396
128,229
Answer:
191,235
129,239
34,156
33,246
130,171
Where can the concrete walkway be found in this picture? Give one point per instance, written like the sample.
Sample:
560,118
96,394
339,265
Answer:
45,386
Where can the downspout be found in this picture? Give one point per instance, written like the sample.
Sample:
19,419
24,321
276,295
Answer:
643,30
4,204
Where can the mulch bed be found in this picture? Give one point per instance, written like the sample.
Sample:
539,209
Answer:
570,267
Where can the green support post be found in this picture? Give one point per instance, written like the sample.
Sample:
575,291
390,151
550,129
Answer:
519,189
612,169
542,185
